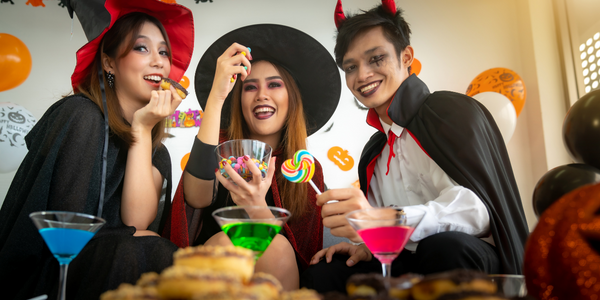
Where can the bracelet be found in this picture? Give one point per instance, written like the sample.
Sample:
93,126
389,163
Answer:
355,244
202,162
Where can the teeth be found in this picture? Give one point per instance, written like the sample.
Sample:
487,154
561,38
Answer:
263,110
153,78
369,87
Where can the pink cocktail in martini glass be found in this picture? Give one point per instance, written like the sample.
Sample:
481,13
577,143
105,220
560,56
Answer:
385,232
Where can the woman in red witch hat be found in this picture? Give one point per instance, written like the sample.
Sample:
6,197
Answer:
290,89
99,152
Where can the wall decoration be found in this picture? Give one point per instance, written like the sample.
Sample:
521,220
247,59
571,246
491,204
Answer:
503,81
415,68
185,119
185,82
35,3
15,123
7,1
184,161
340,158
15,61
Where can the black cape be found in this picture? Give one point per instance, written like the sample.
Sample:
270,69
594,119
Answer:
460,135
62,171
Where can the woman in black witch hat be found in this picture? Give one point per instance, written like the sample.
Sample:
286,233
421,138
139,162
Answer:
117,112
285,87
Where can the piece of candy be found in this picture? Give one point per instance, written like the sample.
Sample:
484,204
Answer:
300,168
239,165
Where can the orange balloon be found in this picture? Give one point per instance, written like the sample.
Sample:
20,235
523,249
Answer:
415,68
185,82
503,81
169,1
15,61
184,161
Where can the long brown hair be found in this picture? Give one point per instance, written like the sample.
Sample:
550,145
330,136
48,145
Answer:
121,37
293,195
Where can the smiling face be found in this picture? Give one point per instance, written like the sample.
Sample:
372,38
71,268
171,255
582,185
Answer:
373,70
139,72
265,103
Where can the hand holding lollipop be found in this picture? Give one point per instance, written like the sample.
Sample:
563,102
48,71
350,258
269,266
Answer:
300,168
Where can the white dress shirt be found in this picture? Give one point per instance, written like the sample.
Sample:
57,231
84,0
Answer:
416,183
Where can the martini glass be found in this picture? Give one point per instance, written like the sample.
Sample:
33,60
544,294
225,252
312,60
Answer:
65,234
251,227
385,232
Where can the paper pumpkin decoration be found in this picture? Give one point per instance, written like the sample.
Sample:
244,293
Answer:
561,254
15,123
415,68
340,158
185,82
184,161
15,61
502,110
503,81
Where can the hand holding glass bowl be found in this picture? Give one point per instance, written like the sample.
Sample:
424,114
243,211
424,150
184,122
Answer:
385,231
234,156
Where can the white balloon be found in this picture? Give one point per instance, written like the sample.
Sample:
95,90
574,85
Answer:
502,110
15,123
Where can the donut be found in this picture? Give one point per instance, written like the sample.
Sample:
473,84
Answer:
149,279
400,287
365,285
265,285
167,82
455,281
227,259
471,296
562,259
184,282
301,294
126,291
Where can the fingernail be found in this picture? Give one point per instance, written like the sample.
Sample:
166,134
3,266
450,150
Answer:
216,169
350,263
246,157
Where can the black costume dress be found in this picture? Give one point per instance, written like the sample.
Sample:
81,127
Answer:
460,135
62,171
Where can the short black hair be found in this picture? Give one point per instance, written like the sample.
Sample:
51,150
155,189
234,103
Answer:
395,29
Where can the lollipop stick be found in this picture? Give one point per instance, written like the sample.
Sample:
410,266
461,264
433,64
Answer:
314,187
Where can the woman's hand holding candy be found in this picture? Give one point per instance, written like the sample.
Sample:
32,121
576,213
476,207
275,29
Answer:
250,192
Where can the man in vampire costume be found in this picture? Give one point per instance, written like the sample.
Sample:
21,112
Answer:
438,155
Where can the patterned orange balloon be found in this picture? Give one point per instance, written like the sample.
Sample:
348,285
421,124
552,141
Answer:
415,68
15,61
503,81
185,82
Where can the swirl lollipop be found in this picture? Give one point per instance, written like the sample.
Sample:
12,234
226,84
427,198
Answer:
300,168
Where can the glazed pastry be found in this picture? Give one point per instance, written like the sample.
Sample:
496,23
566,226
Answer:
166,83
131,292
265,285
400,287
184,282
229,259
365,285
456,281
471,296
301,294
148,280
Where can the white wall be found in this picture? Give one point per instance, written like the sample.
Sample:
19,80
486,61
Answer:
454,40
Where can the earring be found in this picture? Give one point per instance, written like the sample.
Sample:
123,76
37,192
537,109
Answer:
110,77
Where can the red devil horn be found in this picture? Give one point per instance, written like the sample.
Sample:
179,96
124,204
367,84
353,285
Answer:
389,6
338,15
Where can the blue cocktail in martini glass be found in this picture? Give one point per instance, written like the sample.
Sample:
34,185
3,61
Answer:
65,233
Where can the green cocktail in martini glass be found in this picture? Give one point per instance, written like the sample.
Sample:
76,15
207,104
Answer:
251,227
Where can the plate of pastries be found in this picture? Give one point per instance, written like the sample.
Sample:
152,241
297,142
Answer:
227,272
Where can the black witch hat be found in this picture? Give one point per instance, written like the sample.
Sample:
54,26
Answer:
309,63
